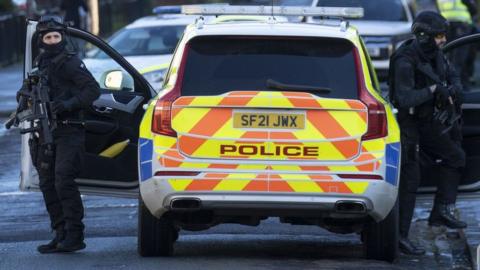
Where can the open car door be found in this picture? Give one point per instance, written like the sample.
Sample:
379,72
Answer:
111,124
470,182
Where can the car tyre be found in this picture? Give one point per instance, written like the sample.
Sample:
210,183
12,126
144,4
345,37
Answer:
380,239
155,235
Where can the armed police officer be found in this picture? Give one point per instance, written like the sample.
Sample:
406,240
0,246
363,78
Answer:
427,92
72,89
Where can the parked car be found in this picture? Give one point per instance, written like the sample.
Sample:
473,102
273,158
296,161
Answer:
384,26
145,43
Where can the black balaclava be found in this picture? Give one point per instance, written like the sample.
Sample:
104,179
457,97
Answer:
52,49
425,27
427,45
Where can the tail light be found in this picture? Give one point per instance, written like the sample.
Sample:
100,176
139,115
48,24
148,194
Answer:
377,116
162,114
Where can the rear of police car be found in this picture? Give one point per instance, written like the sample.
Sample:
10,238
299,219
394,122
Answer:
265,119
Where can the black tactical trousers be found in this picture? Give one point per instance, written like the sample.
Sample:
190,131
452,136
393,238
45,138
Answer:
58,165
445,149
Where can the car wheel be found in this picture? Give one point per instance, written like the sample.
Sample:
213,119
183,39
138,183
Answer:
155,235
380,239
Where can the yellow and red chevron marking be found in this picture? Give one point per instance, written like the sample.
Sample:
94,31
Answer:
213,182
200,119
205,123
368,164
327,125
269,99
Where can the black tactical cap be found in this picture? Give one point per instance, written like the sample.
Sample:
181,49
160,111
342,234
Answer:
430,23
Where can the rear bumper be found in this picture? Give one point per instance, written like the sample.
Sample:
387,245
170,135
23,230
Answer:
375,202
370,180
266,201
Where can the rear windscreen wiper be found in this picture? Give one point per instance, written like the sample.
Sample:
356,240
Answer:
272,84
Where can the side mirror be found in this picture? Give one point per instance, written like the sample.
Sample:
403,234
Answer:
113,80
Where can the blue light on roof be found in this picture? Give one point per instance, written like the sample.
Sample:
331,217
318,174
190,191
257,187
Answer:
167,10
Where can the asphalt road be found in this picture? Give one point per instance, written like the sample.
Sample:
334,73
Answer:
111,243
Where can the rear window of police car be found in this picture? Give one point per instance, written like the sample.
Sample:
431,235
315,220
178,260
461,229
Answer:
219,64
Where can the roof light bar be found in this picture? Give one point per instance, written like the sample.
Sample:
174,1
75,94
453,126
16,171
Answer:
160,10
344,12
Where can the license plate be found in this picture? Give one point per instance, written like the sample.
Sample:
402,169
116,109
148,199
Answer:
269,120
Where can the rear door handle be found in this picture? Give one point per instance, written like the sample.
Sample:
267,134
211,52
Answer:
105,110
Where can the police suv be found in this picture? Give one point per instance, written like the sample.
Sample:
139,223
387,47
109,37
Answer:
255,119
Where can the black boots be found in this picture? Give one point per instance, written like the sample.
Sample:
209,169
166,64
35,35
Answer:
63,242
442,214
409,248
51,247
72,242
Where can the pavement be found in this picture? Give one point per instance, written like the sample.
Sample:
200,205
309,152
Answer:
446,246
470,213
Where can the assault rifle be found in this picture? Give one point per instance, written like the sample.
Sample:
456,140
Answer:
34,106
445,114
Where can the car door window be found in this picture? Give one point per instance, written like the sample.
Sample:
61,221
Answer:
371,70
106,71
463,60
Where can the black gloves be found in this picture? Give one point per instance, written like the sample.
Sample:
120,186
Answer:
453,90
456,93
60,106
443,93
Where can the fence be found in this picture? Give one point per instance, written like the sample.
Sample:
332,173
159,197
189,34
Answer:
12,38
